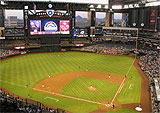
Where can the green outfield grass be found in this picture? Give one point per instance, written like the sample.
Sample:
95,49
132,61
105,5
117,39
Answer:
16,73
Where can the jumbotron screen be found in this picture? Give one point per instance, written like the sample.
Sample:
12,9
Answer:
49,27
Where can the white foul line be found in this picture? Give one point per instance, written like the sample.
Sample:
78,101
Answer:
118,91
52,98
122,84
130,67
67,96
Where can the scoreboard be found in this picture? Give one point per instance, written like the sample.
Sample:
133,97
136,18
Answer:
50,27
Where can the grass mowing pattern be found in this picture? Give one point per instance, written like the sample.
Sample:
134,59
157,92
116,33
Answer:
78,88
31,69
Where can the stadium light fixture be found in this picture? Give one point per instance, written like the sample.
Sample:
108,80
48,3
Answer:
131,6
142,24
125,6
91,6
117,7
99,6
106,6
50,6
25,7
136,5
134,24
110,10
2,2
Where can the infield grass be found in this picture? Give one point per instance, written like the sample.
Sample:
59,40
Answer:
78,88
31,69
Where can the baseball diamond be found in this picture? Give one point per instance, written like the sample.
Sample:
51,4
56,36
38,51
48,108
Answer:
80,56
67,86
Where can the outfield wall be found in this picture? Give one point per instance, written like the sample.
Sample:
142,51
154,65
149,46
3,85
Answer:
56,48
9,56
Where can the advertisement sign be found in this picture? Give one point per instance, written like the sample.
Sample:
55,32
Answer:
23,47
107,19
35,26
153,13
64,26
79,45
153,17
153,20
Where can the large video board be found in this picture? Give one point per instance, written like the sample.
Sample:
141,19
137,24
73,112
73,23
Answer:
49,27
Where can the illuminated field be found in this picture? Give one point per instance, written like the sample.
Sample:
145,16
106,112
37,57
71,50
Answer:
29,70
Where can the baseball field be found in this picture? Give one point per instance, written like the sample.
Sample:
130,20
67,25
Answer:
74,81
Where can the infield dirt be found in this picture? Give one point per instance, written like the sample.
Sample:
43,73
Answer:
56,83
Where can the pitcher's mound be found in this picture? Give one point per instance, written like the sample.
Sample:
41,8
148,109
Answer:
91,88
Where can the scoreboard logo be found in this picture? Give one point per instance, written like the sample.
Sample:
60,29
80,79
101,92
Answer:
51,26
50,12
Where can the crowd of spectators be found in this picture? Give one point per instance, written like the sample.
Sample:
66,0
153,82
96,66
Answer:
111,48
4,52
11,43
35,42
154,99
20,42
9,103
150,64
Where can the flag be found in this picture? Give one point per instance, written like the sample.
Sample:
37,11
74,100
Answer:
67,8
74,34
124,19
34,7
89,18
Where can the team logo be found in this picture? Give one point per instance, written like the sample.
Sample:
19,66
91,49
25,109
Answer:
51,26
50,12
82,32
64,25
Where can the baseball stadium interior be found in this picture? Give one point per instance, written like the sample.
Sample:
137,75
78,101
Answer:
109,27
